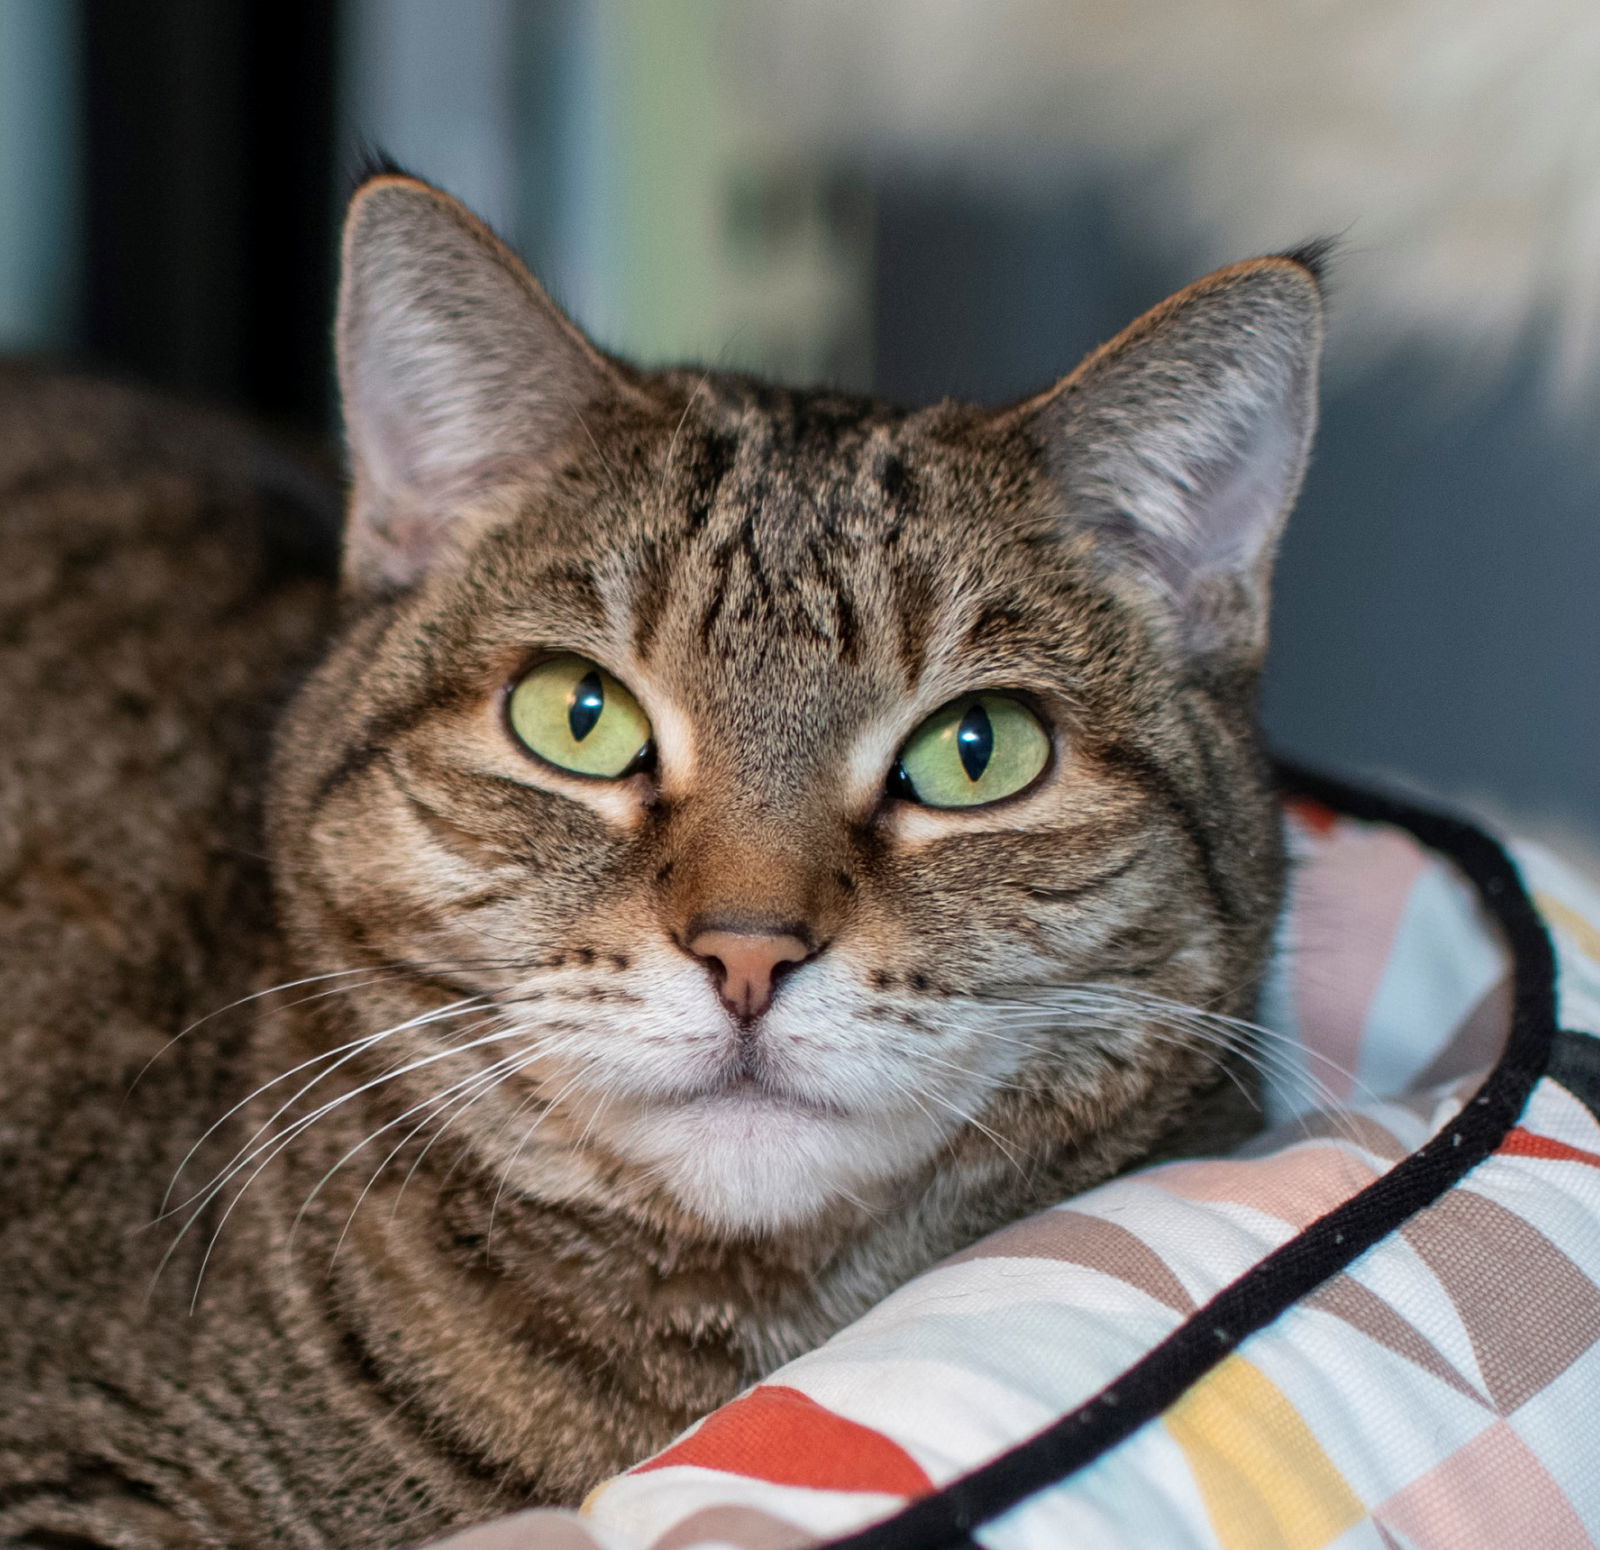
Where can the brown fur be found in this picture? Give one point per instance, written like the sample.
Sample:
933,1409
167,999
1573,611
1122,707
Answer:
419,1313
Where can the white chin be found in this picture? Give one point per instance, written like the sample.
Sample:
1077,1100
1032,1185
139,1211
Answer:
750,1163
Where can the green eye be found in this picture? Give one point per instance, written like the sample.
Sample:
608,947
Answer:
576,715
976,749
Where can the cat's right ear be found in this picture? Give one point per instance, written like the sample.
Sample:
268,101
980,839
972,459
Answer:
458,376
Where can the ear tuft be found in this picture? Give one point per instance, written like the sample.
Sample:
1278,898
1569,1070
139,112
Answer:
1181,443
1318,258
372,161
458,374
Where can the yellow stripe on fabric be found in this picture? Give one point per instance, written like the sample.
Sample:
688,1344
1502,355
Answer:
1266,1482
1564,918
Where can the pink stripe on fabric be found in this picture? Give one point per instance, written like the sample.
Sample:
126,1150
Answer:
538,1529
1348,902
1490,1495
1296,1186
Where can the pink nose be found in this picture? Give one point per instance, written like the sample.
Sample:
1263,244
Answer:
745,965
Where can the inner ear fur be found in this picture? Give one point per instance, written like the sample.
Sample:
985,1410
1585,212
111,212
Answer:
458,375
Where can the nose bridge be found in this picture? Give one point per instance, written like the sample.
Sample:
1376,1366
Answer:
751,898
740,872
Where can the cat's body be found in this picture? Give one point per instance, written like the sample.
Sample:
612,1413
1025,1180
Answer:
158,601
568,1175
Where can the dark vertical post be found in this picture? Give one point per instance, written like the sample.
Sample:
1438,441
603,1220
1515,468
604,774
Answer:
209,177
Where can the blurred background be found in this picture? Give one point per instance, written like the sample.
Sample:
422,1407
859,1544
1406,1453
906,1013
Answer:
930,198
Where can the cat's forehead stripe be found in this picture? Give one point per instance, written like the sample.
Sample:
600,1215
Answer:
779,524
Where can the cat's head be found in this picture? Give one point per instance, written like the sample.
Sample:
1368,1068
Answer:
795,792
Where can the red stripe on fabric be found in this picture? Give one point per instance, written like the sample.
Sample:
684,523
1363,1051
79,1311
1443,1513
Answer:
1318,819
1524,1143
780,1435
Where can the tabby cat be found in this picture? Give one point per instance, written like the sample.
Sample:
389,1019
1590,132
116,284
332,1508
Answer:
739,846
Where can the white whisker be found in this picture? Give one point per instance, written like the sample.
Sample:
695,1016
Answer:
428,1107
471,1089
1275,1055
511,1162
275,1144
354,1048
375,978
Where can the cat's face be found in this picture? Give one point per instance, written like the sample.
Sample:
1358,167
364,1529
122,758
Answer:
793,790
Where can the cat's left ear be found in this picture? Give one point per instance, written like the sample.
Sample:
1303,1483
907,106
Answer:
459,378
1182,442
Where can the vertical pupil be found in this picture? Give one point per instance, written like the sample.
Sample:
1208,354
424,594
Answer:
975,742
584,708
